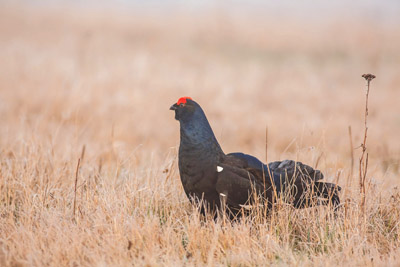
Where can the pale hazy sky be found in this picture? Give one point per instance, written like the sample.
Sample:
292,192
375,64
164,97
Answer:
382,10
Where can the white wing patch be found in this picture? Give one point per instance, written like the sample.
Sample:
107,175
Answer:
219,169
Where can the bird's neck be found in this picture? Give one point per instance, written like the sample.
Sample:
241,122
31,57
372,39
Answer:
197,136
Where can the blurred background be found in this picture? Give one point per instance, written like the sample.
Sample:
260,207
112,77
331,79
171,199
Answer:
104,74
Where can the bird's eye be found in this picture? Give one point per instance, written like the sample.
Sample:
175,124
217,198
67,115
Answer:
181,105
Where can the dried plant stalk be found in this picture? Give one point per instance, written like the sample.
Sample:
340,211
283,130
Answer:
364,155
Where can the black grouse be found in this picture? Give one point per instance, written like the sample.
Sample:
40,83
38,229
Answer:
232,180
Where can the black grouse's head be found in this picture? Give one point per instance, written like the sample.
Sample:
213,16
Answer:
184,108
194,125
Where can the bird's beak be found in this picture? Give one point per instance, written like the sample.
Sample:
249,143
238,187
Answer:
174,107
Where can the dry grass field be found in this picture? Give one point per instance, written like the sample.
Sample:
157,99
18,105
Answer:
96,86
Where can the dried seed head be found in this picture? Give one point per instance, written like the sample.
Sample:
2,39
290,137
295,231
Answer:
368,76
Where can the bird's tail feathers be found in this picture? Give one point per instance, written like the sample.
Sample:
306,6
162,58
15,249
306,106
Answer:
328,193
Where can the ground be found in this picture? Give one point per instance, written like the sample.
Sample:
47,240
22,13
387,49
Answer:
95,87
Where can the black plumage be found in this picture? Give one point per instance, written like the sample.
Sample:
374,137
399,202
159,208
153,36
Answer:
231,180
